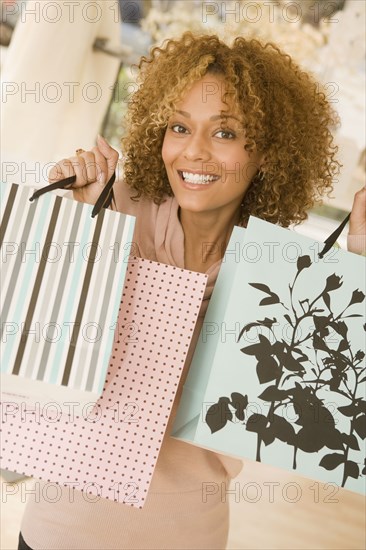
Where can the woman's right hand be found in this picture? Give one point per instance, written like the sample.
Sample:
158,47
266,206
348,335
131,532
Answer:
92,170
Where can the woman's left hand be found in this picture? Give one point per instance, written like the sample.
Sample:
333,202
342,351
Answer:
356,240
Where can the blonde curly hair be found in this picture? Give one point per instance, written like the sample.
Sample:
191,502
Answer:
284,112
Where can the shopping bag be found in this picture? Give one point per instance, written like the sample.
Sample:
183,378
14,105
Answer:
278,375
109,449
62,274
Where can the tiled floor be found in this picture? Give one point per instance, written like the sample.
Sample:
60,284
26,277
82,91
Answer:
273,509
11,512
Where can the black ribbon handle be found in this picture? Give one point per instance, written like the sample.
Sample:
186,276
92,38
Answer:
104,200
331,240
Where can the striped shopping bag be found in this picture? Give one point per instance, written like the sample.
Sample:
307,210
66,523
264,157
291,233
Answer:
62,276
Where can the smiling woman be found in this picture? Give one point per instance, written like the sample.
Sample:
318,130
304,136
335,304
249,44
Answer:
282,113
208,166
215,133
204,151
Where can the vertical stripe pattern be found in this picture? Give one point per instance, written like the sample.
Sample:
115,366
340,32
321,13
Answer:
83,297
63,281
59,293
7,212
36,288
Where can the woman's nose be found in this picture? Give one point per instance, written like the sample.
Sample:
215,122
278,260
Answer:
197,148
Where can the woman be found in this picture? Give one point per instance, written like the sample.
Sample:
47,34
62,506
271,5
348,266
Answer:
215,134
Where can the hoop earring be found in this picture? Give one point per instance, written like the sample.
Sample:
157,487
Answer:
259,175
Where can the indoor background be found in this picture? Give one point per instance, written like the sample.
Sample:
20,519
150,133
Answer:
68,75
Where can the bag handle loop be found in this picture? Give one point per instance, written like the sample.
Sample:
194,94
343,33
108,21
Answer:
331,240
104,200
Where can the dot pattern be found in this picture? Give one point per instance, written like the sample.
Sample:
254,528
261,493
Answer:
112,446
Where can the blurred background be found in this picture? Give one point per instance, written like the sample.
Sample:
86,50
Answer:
67,73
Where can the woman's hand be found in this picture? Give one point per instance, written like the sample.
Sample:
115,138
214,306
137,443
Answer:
356,240
92,170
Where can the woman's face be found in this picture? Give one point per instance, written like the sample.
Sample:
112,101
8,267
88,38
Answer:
203,152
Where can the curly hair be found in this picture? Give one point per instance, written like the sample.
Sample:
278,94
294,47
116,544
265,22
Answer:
284,112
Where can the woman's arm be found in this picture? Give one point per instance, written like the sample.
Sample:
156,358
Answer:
356,239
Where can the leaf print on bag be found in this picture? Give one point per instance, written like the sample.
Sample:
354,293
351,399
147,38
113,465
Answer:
316,359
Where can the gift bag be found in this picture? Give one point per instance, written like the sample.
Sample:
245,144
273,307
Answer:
62,274
109,449
278,375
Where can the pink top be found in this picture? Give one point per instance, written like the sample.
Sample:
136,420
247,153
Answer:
184,508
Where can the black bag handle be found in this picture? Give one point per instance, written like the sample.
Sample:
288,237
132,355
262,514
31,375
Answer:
330,241
106,197
104,200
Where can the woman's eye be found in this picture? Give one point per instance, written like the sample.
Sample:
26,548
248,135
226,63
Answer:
225,134
178,128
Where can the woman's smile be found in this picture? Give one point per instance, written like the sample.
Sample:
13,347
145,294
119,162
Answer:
192,179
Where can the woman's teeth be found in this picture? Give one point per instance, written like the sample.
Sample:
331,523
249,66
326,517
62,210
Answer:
202,179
